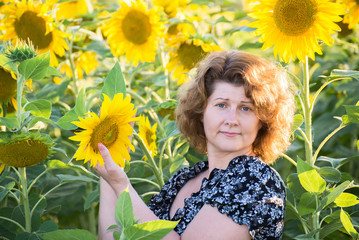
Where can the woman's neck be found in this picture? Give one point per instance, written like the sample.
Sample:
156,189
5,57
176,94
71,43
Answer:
221,160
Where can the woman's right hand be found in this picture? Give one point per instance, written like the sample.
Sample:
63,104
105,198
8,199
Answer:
111,172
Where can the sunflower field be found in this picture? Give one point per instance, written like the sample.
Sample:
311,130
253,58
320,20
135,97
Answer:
75,73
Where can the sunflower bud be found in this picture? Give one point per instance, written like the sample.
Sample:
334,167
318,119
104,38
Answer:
21,51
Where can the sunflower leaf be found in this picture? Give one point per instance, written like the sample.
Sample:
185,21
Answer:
39,108
149,230
114,82
35,68
310,178
124,210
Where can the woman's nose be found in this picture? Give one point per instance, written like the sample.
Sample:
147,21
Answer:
231,118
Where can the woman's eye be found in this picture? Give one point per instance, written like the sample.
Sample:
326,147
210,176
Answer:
221,105
246,109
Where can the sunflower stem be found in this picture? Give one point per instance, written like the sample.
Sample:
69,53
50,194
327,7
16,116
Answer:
151,161
20,88
72,64
307,115
25,198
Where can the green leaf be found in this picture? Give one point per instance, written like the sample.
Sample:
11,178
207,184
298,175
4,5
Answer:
333,195
10,123
153,230
6,190
57,164
47,226
65,121
346,200
345,219
7,64
335,162
35,68
294,185
51,71
39,108
80,106
353,113
309,178
344,73
93,197
291,212
330,174
298,121
63,178
330,228
124,211
307,204
35,120
72,234
114,82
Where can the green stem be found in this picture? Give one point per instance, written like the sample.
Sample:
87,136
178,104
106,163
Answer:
150,159
316,223
326,140
20,88
44,196
25,196
307,115
14,222
91,211
147,181
320,89
72,64
289,159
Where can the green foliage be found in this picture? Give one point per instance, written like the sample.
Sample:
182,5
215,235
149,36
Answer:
130,229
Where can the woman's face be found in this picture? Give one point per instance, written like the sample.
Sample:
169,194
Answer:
229,120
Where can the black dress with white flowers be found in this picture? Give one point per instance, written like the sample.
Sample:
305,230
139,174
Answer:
248,191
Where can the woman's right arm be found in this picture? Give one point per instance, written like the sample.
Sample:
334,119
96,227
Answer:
112,183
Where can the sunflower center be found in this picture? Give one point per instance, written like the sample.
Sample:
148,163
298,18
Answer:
189,55
294,17
23,153
106,133
30,26
7,85
136,27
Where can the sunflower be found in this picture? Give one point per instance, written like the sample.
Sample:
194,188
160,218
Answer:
29,19
71,9
134,31
24,149
8,85
170,7
352,16
185,52
2,166
295,26
112,129
148,134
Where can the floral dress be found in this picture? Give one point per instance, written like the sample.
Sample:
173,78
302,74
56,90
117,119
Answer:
249,191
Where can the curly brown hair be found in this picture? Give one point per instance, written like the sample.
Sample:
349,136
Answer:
264,83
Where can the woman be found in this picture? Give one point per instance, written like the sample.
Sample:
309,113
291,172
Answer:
238,110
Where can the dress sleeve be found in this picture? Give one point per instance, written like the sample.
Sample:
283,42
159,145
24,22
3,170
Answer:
255,197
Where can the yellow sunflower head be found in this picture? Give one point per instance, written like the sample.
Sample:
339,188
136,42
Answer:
134,31
148,134
170,7
294,27
185,52
352,15
29,20
112,128
71,9
86,63
8,85
24,149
